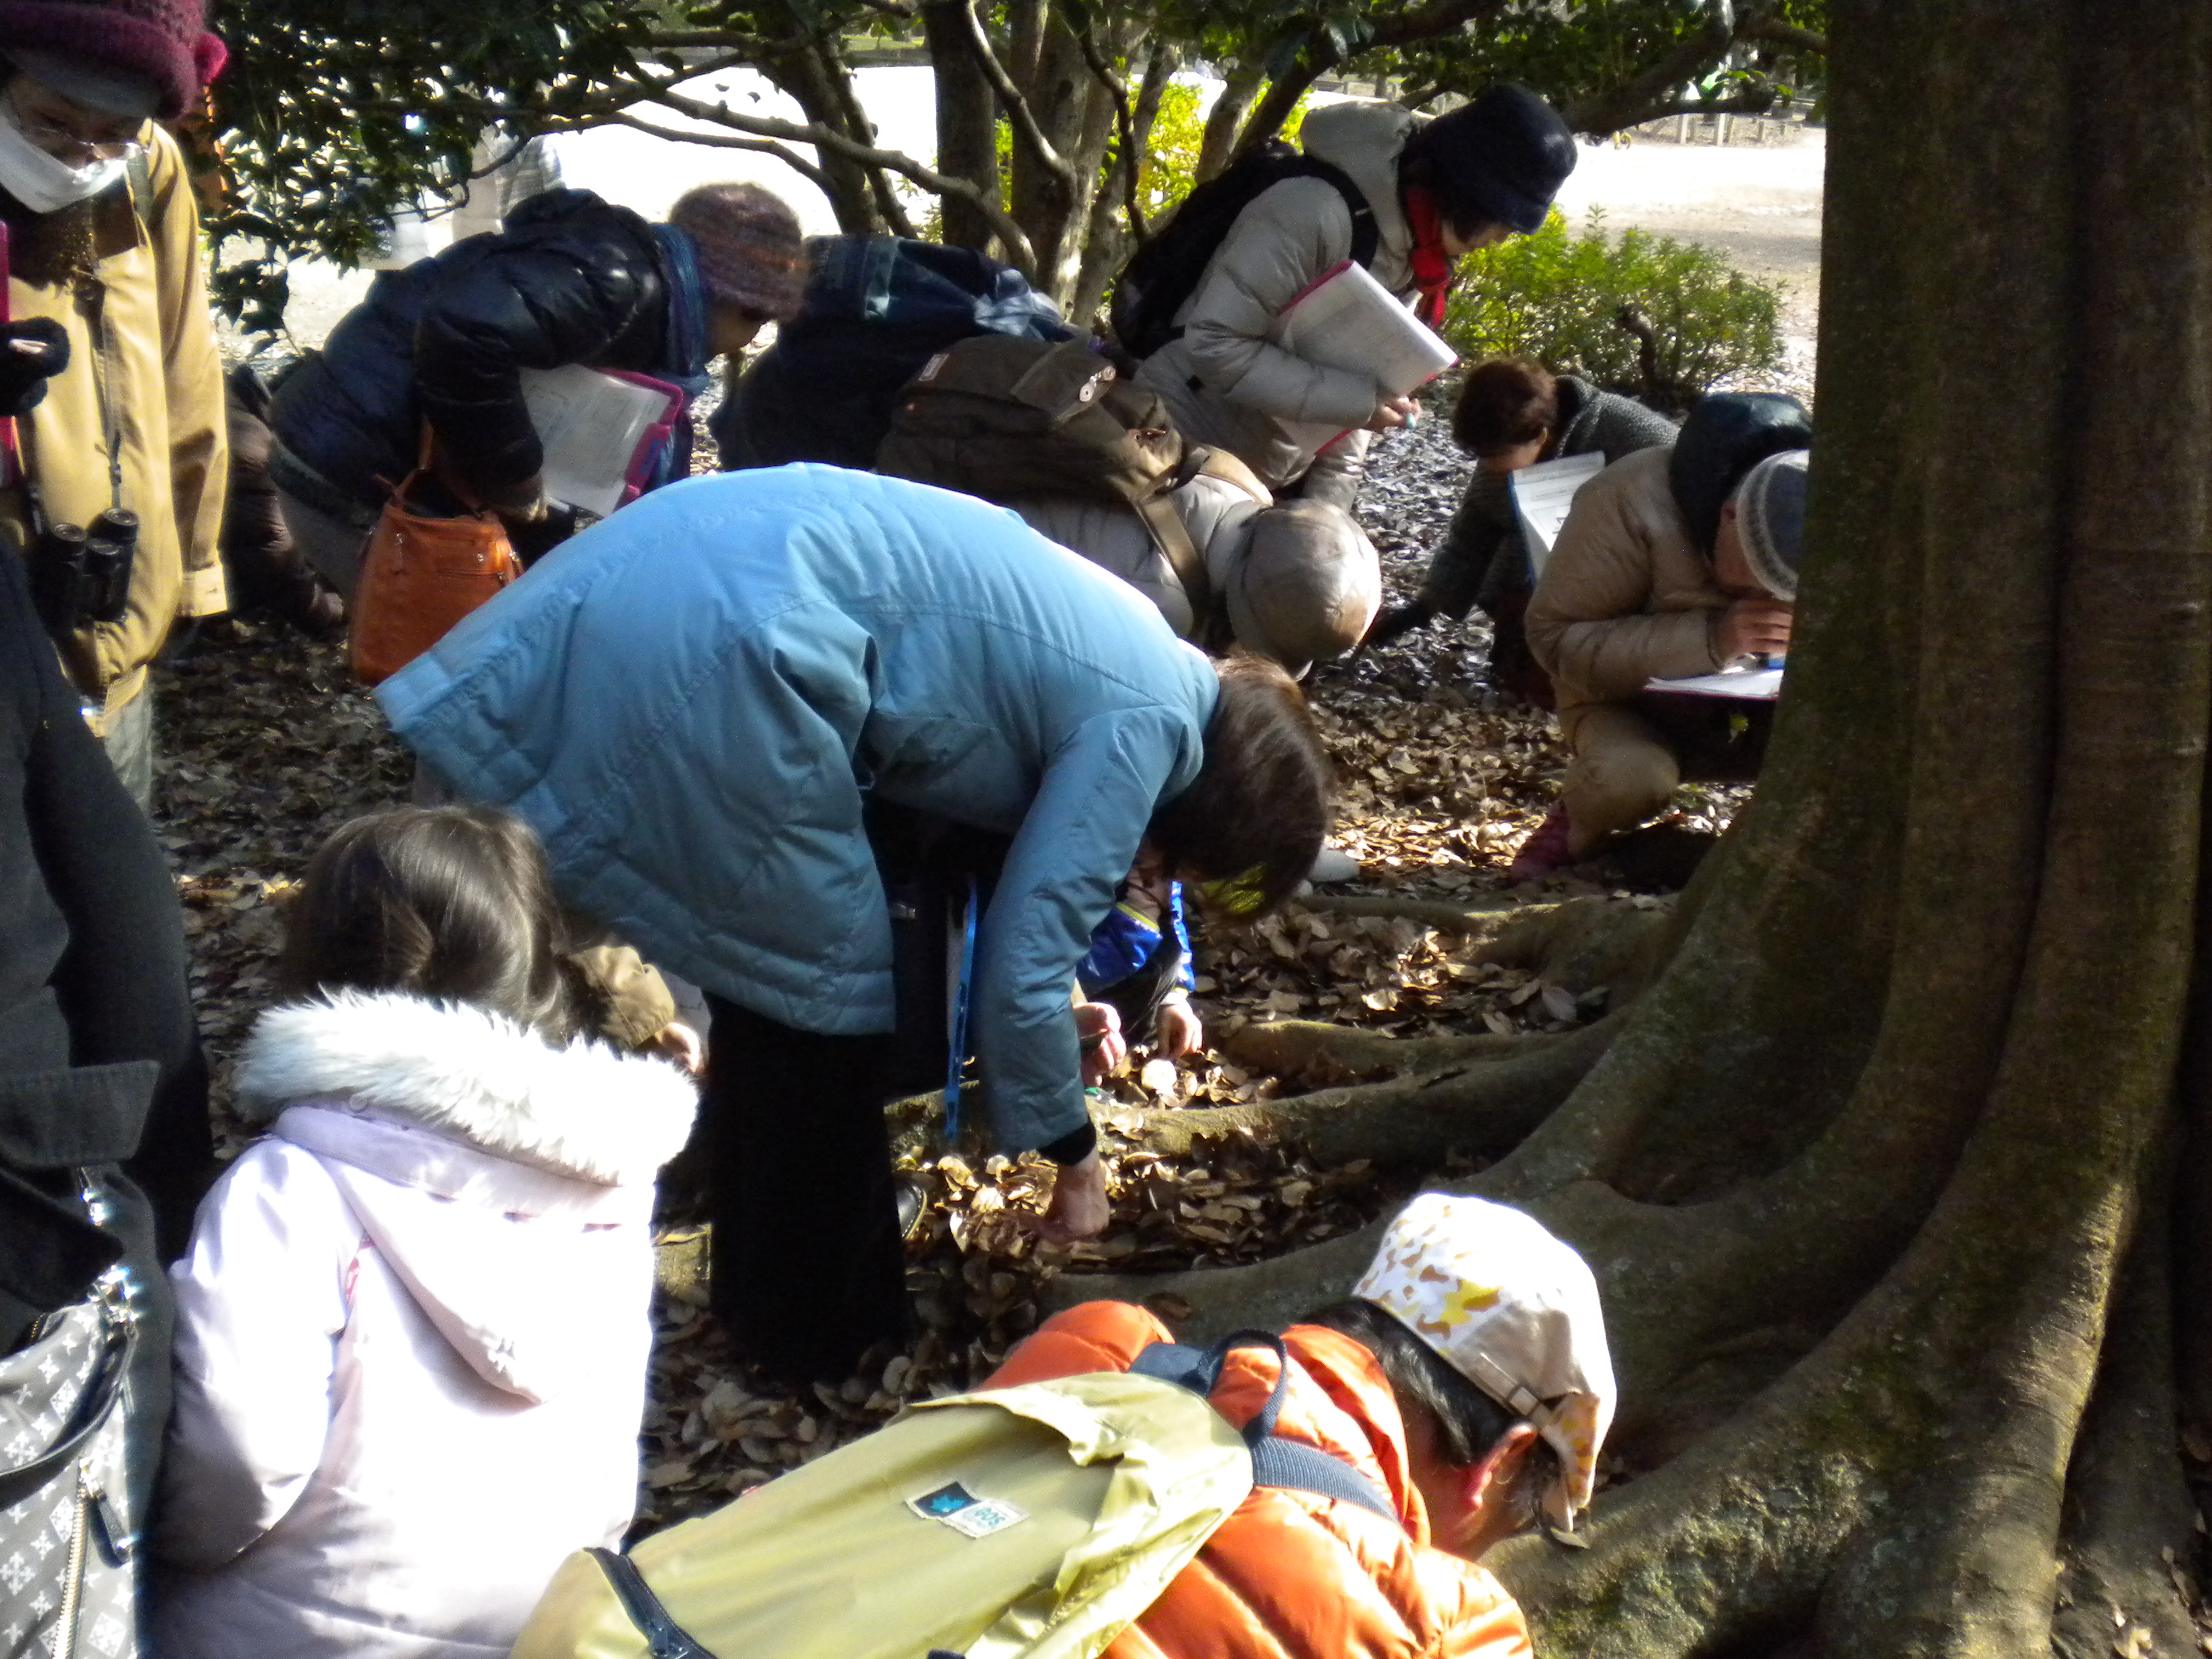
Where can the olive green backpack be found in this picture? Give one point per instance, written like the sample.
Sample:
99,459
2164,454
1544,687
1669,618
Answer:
1031,1522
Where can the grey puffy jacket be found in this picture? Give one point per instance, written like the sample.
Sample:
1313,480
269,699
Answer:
1224,381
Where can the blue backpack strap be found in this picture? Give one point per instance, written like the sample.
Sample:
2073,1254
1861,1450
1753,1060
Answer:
1292,1464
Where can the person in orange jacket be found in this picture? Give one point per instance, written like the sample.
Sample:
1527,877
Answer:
1466,1376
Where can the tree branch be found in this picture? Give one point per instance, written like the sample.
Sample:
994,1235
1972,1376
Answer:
790,158
1777,32
1019,249
1609,113
837,75
1650,96
1320,55
1019,115
1131,159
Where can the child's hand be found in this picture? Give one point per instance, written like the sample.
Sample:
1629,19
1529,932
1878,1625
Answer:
1099,1030
1178,1031
679,1042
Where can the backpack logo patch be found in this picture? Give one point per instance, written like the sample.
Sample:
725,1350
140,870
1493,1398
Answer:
965,1513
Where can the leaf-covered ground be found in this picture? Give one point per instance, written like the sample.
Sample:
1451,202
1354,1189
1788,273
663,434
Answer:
269,746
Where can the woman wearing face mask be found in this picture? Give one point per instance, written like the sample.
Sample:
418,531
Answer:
109,367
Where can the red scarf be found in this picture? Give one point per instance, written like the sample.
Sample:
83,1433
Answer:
1432,267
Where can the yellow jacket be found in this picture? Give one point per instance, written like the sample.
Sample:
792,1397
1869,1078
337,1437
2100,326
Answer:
141,356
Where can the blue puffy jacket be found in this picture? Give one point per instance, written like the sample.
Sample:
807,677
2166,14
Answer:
686,701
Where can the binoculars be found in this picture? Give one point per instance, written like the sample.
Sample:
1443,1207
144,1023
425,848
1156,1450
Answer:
82,574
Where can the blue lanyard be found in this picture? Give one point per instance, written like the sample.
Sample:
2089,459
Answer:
959,1058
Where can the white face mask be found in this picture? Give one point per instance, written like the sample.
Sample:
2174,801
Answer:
44,183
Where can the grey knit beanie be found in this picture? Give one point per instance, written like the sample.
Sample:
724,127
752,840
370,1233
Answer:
748,246
1308,586
1770,520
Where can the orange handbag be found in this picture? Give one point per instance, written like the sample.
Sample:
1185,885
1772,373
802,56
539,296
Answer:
420,575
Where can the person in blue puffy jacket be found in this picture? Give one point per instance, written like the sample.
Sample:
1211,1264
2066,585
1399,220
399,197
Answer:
694,701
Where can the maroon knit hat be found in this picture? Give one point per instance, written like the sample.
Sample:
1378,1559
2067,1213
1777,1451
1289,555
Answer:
166,41
748,246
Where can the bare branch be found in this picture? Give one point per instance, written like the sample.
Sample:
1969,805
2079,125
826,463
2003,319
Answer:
1019,116
1610,113
1019,251
790,158
1131,159
1320,55
1776,33
1646,96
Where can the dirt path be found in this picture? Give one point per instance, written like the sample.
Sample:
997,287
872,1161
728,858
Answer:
1757,203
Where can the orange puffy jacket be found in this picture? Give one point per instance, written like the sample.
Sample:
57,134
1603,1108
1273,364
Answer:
1292,1574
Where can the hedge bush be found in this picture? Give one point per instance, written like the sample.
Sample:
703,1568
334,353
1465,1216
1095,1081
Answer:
1558,298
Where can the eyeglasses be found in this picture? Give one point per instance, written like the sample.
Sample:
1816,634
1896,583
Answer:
1237,897
63,143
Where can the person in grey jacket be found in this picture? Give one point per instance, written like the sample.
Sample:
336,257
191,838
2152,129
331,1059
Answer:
1437,189
1512,414
695,703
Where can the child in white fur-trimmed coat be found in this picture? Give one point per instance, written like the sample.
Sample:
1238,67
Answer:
413,1326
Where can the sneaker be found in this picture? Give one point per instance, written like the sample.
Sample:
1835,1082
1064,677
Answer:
1545,853
1333,866
1397,620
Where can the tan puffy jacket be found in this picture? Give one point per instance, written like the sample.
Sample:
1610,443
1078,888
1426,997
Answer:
142,354
1624,598
1224,381
1292,1575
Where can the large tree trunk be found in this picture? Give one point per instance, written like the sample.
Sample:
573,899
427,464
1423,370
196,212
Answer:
1859,1174
967,131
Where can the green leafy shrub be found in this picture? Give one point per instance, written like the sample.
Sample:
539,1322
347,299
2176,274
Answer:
1560,298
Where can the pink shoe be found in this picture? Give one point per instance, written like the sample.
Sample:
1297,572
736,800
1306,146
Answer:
1545,853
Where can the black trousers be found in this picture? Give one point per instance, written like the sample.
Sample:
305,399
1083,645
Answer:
808,1268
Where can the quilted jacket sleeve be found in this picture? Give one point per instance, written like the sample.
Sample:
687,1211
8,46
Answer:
199,445
541,303
1281,245
1076,843
261,1302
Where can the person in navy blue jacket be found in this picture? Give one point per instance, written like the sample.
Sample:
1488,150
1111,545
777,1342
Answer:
694,703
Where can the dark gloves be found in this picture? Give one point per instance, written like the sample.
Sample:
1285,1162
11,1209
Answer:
533,538
32,352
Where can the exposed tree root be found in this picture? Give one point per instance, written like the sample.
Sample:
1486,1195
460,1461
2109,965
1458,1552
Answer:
1272,1293
1484,917
1579,943
1298,1049
1480,1107
2130,1541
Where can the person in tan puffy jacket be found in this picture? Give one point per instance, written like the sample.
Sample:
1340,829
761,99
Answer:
105,253
1664,569
1466,1378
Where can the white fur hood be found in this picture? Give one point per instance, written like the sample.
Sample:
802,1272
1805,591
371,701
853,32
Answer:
584,1111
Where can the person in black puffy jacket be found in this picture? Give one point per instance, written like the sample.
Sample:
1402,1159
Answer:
571,279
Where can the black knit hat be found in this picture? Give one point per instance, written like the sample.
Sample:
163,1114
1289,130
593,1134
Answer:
1500,160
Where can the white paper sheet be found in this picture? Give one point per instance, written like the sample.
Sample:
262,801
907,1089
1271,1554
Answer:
591,425
1755,684
1541,495
1350,321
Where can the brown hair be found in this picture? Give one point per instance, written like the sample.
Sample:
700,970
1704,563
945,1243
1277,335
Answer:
451,904
1259,808
1503,403
1469,1422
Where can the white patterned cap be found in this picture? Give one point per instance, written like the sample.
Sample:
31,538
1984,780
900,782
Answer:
1516,1312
